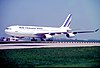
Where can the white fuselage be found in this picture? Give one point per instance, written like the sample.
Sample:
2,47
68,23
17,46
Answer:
32,31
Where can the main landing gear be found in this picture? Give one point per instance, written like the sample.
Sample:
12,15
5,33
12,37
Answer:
41,39
33,39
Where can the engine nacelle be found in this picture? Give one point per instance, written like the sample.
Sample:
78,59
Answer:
48,36
70,35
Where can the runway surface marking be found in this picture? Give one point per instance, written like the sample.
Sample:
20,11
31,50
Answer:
45,45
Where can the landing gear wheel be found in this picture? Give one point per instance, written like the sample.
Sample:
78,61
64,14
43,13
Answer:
42,39
49,40
33,39
7,39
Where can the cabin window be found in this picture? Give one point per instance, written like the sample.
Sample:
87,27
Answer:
21,27
8,28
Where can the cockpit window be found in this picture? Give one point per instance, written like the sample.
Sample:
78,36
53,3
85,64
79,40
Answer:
8,28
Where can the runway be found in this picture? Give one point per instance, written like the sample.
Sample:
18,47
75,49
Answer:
45,45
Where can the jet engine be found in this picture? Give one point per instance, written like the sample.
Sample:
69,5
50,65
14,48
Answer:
70,35
47,36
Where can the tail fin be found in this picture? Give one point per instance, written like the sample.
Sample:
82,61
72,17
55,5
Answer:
67,21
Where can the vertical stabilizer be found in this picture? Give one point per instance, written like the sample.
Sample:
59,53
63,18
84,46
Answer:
67,21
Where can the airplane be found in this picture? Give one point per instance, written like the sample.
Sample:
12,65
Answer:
44,33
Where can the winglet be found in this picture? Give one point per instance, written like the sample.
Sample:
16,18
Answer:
96,30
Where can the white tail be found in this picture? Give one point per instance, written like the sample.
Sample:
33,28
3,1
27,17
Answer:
67,21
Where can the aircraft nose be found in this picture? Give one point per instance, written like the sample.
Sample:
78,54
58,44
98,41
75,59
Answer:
7,30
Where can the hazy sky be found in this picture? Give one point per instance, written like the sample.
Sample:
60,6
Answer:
85,14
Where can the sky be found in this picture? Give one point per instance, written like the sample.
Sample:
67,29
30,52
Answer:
85,14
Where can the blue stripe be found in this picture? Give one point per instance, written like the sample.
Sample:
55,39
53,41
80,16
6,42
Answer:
67,21
68,25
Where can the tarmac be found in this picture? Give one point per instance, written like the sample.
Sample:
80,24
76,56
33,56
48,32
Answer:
46,45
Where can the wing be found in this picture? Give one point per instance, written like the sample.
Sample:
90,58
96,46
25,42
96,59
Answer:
85,31
74,32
